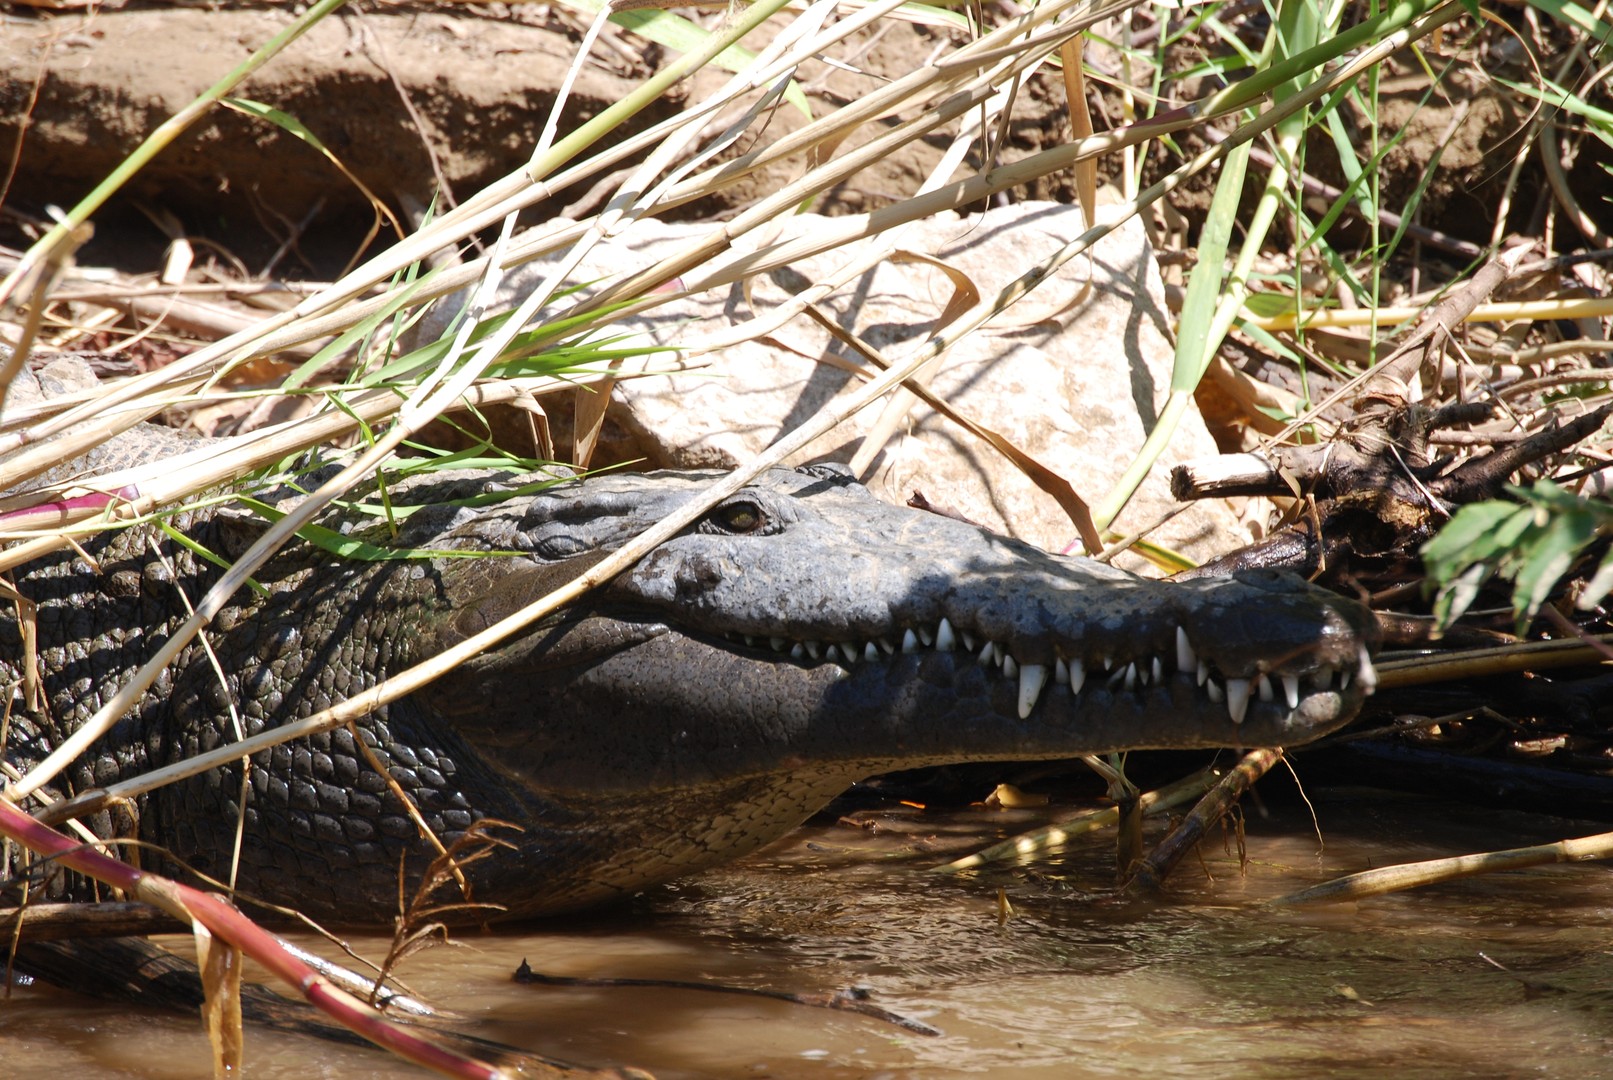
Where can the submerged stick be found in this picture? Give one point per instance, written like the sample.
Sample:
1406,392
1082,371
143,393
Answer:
1152,871
1411,875
1061,833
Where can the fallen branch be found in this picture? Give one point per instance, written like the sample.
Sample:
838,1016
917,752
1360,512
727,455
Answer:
74,922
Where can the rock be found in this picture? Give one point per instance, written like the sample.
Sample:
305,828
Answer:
1073,376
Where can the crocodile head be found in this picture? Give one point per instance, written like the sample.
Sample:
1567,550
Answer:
803,635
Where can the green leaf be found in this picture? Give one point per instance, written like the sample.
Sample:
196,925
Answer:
1463,540
1566,11
1559,544
1599,586
1458,594
1271,343
1532,542
201,552
297,129
1270,304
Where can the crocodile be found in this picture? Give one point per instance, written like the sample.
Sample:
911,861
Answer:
801,636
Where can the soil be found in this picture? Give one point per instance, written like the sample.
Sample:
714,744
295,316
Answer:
413,98
408,99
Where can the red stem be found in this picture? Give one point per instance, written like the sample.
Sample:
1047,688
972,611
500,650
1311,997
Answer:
228,924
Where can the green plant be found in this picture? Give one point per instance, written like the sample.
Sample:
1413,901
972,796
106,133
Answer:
1531,541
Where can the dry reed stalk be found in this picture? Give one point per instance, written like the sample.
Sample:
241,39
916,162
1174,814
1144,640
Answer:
129,494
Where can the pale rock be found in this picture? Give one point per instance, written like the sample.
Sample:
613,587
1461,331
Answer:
1074,376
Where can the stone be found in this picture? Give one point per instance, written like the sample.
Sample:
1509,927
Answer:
1074,375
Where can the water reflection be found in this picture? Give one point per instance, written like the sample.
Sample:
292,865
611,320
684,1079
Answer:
1204,984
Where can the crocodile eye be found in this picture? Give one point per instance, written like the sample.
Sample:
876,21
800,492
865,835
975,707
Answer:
739,517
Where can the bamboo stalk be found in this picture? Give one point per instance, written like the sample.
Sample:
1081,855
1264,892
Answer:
128,494
1389,879
1497,660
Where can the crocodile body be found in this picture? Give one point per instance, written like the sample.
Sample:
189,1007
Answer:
803,635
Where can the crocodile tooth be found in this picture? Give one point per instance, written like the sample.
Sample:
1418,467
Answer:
1078,675
844,650
797,651
1213,691
1159,670
885,645
1010,669
1186,658
1368,674
1291,690
968,640
944,641
1061,671
988,653
1344,679
927,635
778,643
814,649
1237,699
1032,677
870,652
1131,677
1203,672
1263,688
910,642
750,641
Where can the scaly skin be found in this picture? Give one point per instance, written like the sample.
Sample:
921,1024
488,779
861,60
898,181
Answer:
697,707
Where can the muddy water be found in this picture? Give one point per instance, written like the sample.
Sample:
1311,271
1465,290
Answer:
1205,984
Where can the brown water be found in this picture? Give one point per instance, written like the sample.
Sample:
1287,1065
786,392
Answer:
1207,983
